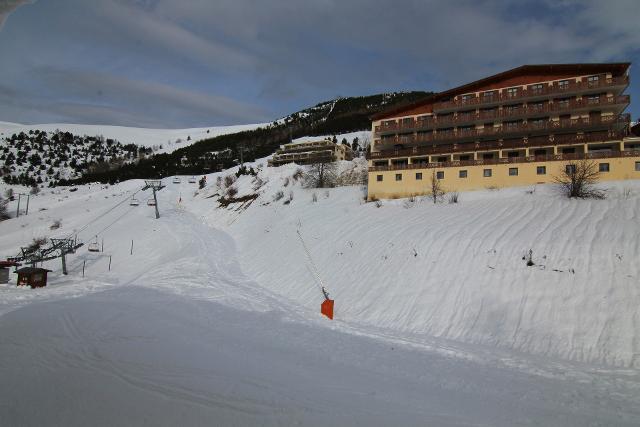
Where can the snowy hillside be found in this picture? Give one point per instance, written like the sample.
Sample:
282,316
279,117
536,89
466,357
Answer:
216,310
169,139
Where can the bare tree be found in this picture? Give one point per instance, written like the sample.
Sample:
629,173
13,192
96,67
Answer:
320,175
4,214
436,192
578,180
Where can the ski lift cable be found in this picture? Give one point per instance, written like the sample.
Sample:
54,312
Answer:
314,268
116,220
103,214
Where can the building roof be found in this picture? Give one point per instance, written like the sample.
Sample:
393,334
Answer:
31,270
616,68
5,264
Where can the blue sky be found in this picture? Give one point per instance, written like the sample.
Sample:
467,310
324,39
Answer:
167,63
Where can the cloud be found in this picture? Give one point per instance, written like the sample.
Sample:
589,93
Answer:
8,6
242,60
100,98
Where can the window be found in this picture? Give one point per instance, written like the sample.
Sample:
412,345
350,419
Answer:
512,92
467,98
513,171
593,99
541,170
440,175
489,95
513,154
593,80
563,84
570,169
637,166
562,103
486,173
379,178
603,167
536,89
463,173
398,177
512,125
418,175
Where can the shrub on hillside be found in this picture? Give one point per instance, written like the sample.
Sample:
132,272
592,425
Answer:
578,180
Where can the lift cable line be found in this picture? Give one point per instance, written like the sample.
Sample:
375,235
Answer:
327,305
76,232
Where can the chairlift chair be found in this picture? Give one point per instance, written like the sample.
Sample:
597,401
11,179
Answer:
176,180
192,180
151,202
134,202
94,246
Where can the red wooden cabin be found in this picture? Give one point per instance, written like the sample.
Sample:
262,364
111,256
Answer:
32,276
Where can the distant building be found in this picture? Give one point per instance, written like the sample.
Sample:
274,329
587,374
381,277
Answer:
519,127
305,153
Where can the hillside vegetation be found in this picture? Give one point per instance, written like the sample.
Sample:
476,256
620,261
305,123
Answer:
342,115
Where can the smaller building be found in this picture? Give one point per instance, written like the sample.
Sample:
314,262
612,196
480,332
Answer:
4,270
306,153
32,276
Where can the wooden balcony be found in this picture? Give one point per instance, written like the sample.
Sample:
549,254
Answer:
529,159
500,114
519,143
511,130
553,90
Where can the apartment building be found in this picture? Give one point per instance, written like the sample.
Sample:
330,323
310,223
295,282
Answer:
309,152
519,127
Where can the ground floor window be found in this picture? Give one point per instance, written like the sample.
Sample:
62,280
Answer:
603,167
541,170
463,173
398,177
379,178
570,169
440,174
638,166
418,175
513,171
486,173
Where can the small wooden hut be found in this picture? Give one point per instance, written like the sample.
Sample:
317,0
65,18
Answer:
32,276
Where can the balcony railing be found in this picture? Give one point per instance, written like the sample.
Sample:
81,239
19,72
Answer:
547,90
519,143
505,130
529,159
527,110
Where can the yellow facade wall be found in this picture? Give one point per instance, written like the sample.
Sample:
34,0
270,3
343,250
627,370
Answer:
620,168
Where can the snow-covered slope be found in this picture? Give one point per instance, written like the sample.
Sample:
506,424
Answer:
456,270
169,139
215,313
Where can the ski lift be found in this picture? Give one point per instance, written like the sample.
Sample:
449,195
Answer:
176,180
134,202
192,180
94,246
151,202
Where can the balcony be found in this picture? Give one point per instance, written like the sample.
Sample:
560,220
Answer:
529,159
546,91
503,114
507,130
539,141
